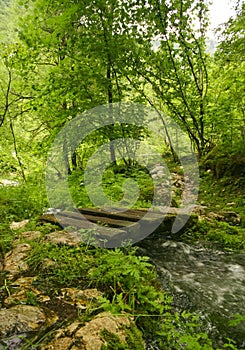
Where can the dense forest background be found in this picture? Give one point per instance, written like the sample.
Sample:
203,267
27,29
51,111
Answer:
59,59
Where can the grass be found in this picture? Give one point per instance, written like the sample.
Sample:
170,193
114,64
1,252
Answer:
112,186
222,194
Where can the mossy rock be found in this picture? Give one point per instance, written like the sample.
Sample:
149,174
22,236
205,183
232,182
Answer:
134,340
225,161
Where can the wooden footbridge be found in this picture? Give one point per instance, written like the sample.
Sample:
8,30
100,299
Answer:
115,225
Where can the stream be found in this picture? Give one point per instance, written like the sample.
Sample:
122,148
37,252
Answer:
204,280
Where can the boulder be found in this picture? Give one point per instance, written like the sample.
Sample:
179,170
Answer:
78,336
91,332
59,344
21,319
20,322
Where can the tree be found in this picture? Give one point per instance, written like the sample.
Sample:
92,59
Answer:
227,112
80,51
177,69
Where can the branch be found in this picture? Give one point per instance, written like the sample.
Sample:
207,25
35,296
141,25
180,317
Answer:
6,98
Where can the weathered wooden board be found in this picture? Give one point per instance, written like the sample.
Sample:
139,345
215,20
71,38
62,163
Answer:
101,220
129,215
132,215
65,221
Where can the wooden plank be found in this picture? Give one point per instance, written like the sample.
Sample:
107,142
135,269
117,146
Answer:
129,215
132,221
65,221
134,215
119,220
101,220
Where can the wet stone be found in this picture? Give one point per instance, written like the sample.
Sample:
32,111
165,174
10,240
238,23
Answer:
14,342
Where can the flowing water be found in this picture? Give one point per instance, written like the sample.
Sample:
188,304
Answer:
203,280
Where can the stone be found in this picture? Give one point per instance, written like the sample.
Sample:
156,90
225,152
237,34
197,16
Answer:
30,235
26,292
78,336
21,319
230,204
200,210
215,216
14,342
91,332
72,328
18,225
231,217
59,344
23,282
6,182
80,347
14,260
65,238
80,298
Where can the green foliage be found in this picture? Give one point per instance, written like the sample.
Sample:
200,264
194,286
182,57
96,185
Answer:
128,283
6,238
226,105
117,175
237,319
65,265
183,330
133,340
112,182
215,232
226,160
57,63
24,201
31,298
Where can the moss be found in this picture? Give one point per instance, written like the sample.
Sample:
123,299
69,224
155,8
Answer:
225,161
133,340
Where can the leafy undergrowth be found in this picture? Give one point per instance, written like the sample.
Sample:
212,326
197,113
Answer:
112,186
24,201
223,194
220,234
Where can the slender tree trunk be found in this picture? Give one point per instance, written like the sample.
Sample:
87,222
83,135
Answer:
66,156
16,151
110,101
